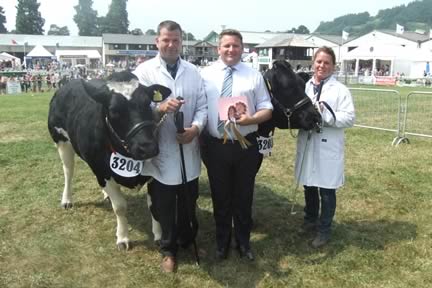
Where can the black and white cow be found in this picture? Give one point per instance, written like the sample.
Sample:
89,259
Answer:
111,126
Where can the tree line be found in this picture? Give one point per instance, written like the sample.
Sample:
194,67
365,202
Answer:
30,21
415,15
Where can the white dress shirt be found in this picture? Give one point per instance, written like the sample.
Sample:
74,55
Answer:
246,82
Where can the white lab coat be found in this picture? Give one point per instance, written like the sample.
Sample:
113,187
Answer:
323,154
166,166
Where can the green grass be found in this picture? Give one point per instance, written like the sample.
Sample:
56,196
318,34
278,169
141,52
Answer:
382,233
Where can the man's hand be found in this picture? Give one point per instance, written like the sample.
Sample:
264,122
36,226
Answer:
259,117
245,120
171,105
187,136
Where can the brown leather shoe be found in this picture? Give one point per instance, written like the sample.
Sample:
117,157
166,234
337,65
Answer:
168,264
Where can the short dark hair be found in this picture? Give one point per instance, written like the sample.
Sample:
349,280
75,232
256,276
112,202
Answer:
328,51
231,32
169,25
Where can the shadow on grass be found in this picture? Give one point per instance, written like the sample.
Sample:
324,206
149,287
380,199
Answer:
275,240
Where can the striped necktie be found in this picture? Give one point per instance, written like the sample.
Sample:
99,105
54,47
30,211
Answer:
226,92
227,83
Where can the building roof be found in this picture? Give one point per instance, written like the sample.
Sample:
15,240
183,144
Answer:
128,38
50,40
92,54
287,39
258,37
336,39
408,35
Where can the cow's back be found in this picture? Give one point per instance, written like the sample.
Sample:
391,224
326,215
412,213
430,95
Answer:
74,116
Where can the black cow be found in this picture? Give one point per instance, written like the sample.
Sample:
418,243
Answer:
292,108
101,121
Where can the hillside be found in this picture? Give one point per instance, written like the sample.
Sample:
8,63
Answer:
415,15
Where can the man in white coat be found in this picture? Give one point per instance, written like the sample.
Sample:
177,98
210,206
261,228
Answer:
169,204
320,156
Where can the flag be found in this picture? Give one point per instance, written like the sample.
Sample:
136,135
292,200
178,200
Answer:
399,29
14,42
345,35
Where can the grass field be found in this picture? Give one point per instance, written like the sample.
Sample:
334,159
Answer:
382,233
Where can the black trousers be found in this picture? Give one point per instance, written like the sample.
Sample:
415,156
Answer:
231,171
171,208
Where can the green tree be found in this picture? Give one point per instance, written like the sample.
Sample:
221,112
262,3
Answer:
2,21
116,21
28,18
150,32
56,30
188,36
136,31
86,18
300,30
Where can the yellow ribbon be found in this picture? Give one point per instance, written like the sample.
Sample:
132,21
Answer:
244,143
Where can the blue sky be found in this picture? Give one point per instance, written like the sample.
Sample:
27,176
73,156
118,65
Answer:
200,16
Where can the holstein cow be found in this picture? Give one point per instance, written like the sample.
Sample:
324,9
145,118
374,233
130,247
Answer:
111,126
292,108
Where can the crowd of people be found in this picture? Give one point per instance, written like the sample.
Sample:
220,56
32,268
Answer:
231,164
46,80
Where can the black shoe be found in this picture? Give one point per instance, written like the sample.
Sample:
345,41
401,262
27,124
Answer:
246,253
221,254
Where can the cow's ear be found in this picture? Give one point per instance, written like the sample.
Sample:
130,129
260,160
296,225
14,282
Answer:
158,93
98,90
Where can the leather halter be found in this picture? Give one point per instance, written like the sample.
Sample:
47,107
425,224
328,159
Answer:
132,132
288,112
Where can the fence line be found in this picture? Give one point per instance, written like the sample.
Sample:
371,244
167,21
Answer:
417,120
379,109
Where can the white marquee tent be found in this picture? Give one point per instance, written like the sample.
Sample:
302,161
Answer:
410,61
8,57
38,53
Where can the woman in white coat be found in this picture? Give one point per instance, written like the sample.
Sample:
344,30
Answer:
320,156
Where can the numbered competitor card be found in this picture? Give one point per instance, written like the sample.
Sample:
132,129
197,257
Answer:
125,166
231,108
265,145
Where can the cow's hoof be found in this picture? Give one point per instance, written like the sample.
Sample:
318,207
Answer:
124,246
67,205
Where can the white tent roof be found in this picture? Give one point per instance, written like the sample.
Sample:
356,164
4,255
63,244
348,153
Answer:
4,58
8,55
92,54
388,52
39,51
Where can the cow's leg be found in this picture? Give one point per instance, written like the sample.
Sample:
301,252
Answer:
105,196
67,156
156,228
119,204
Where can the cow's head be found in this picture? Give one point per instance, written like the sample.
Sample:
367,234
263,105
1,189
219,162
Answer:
288,89
127,112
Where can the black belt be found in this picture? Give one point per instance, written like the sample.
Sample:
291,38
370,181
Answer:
251,137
